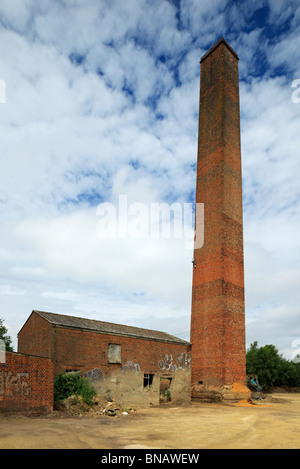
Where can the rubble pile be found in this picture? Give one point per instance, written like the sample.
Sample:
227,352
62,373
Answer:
101,406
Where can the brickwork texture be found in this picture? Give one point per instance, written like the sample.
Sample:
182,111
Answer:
218,311
26,384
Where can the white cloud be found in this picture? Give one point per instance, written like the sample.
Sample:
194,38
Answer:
69,246
204,19
270,142
16,13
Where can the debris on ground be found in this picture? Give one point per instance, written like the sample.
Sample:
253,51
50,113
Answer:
101,406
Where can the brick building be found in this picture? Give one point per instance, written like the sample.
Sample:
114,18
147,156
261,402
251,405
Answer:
131,362
108,353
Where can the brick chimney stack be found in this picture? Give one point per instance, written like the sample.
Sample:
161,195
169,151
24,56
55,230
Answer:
218,308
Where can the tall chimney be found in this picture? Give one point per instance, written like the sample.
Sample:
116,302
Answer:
218,307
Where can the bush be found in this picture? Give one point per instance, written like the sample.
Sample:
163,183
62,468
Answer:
87,391
70,384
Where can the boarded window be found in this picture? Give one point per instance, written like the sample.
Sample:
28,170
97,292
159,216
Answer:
114,353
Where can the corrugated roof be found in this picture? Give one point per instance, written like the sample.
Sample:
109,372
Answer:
74,322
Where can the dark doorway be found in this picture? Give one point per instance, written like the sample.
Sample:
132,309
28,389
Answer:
164,390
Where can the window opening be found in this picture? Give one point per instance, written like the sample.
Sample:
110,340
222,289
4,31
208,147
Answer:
148,380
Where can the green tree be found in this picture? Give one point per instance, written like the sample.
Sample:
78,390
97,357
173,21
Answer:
6,338
270,367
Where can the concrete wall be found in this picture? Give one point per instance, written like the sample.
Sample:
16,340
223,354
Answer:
130,387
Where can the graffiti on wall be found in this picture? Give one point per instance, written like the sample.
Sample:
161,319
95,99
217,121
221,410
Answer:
167,363
14,385
182,360
95,375
132,366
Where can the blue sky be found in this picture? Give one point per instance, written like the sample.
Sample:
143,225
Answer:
101,100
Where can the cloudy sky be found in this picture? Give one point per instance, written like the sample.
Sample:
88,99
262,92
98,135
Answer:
99,99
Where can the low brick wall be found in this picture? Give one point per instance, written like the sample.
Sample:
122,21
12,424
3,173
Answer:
26,384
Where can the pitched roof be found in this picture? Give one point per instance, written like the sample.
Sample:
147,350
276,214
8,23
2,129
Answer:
62,320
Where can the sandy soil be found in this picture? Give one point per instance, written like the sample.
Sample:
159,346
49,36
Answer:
271,423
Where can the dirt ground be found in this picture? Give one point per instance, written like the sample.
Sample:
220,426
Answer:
272,423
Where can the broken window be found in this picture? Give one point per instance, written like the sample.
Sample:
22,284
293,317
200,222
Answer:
148,380
114,353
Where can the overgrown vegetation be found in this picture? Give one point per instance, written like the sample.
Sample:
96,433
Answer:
271,368
73,384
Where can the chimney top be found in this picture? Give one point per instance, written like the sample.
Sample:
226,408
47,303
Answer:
220,41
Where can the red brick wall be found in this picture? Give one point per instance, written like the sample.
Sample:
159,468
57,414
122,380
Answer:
35,337
26,384
85,350
218,312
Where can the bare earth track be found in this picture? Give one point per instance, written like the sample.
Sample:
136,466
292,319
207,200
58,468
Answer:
273,423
